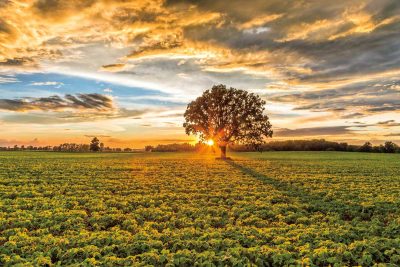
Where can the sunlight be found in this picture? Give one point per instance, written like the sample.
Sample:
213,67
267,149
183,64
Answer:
210,142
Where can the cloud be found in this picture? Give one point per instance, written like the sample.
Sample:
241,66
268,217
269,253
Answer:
259,21
294,41
70,116
114,67
15,61
172,140
348,101
98,136
317,131
352,115
18,63
54,103
46,83
8,79
385,107
12,142
59,9
388,123
393,134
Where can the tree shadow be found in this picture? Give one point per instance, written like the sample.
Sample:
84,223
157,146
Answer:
317,202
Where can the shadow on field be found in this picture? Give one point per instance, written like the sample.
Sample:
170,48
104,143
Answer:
315,202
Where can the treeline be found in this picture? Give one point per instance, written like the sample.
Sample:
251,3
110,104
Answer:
289,145
94,146
67,147
320,145
182,147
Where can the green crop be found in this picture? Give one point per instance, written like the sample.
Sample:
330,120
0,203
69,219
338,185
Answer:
269,209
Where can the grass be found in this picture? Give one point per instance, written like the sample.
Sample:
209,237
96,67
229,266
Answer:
276,208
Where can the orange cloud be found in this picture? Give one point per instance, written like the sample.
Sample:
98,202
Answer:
114,67
259,21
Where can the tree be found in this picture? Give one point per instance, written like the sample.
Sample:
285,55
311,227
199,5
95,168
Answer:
390,147
228,116
148,148
95,145
367,147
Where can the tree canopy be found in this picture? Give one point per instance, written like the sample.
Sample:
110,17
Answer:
95,144
228,115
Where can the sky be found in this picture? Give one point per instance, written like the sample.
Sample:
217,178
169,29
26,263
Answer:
124,71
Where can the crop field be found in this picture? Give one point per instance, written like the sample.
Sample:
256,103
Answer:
177,209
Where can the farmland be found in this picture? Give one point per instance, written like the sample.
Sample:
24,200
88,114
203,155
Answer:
276,208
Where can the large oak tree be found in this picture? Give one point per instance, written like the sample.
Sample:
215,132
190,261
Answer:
228,116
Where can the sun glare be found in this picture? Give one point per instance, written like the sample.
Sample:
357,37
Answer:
210,142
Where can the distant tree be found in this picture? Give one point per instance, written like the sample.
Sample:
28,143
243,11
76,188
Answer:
352,148
343,146
367,147
390,147
148,148
85,147
228,116
95,145
378,149
184,147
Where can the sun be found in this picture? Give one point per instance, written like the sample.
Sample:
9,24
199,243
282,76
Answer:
210,142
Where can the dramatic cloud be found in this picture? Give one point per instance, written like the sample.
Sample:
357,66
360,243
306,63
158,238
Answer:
300,41
354,100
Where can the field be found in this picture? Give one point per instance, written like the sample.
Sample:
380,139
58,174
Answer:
262,209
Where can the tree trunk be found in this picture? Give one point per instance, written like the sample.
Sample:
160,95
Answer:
223,152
